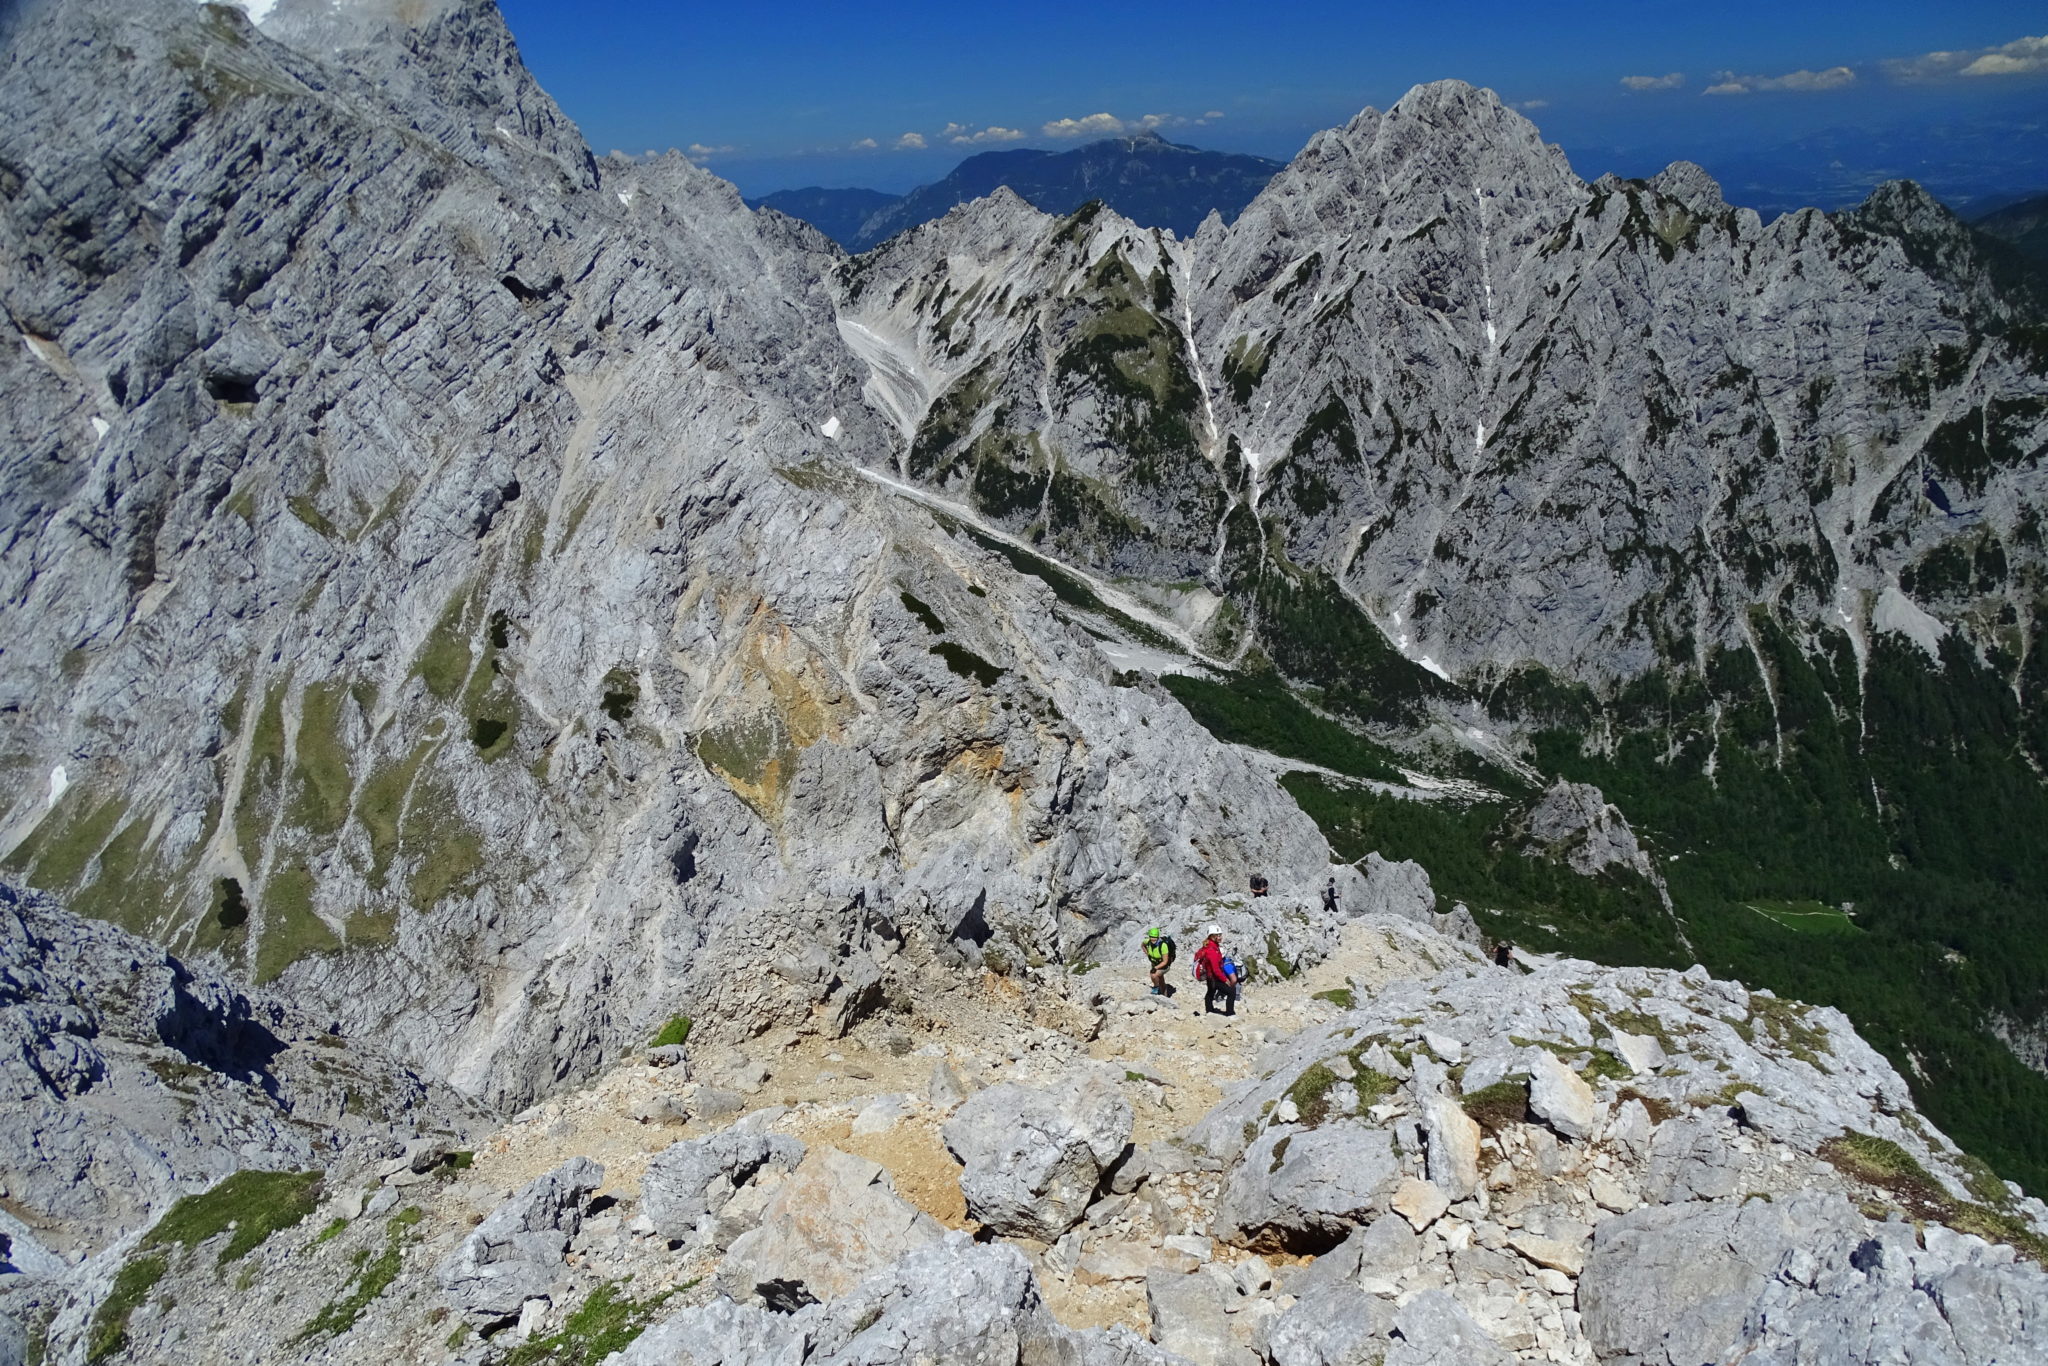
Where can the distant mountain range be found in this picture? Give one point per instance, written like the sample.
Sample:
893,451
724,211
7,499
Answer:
1152,182
2022,226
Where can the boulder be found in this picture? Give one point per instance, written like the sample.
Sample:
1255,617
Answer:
517,1252
1432,1330
948,1301
1766,1280
1191,1317
830,1223
1421,1203
1338,1326
1035,1159
947,1087
1556,1253
1452,1150
1641,1052
1559,1096
693,1178
1303,1189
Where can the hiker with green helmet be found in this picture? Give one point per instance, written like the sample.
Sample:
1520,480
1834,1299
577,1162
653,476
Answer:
1159,953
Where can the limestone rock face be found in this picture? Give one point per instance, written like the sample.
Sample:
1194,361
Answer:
516,1253
131,1077
472,567
695,1177
1755,1280
834,1220
1496,409
1034,1159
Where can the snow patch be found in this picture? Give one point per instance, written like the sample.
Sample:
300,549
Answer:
257,10
626,198
831,429
1897,612
60,783
1426,662
99,427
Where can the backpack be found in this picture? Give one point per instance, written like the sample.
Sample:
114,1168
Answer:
1230,971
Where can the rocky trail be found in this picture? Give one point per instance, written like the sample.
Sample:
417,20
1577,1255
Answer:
1395,1151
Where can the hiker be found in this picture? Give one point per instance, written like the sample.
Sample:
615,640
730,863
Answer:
1330,896
1218,975
1159,953
1258,884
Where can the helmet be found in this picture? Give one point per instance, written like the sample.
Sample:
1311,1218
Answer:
1154,932
1215,930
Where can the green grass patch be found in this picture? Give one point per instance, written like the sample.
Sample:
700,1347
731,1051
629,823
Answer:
676,1031
609,1321
1274,959
373,1277
1339,997
1258,709
249,1206
289,928
1604,1066
445,658
108,1335
381,808
1804,917
449,850
321,780
1497,1106
63,845
1311,1094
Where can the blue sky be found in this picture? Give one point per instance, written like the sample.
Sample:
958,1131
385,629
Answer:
775,96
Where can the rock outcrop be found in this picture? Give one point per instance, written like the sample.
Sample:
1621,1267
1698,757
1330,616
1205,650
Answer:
132,1077
949,1300
515,1254
830,1223
1035,1159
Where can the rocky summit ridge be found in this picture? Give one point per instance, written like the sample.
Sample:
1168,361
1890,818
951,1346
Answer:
475,608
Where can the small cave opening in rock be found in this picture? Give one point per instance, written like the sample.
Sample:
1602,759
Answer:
486,731
231,388
684,860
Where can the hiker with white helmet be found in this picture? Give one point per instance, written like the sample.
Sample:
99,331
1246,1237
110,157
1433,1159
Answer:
1218,974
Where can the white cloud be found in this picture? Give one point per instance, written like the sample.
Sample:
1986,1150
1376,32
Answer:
992,133
1670,82
2028,56
700,151
1833,78
1526,105
2021,57
1093,126
910,142
1213,114
865,145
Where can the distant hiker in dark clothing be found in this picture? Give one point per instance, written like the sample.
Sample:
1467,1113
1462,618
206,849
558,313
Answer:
1258,884
1503,954
1217,974
1330,896
1159,953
